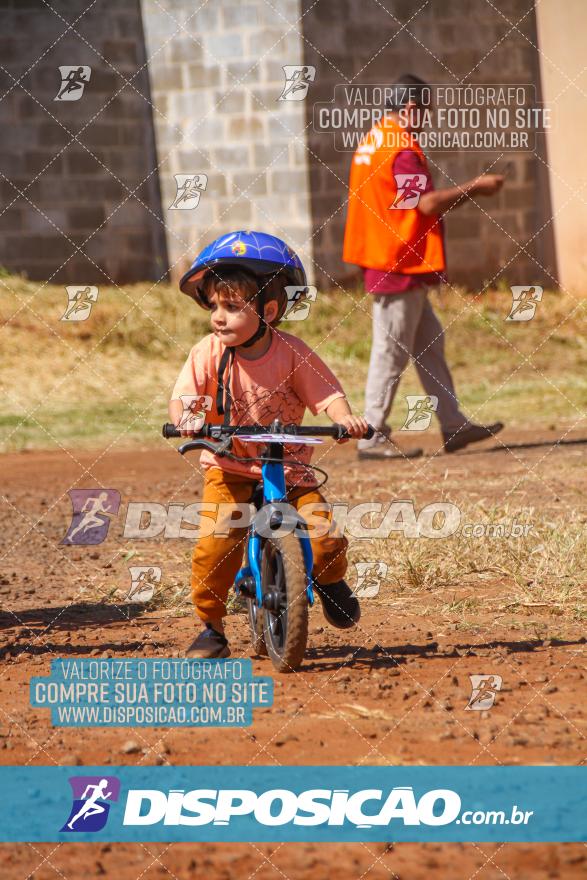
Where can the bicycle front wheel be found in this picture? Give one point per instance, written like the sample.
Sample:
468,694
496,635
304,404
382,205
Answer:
256,616
285,623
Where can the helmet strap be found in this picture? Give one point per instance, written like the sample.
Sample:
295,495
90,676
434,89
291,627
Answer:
260,331
223,397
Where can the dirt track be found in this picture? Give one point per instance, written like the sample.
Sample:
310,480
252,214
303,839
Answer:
392,692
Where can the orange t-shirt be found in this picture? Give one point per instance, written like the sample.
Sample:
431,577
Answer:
281,384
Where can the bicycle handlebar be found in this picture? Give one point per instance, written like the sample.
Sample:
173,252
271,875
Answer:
219,432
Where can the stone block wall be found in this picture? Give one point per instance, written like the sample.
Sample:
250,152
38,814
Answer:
79,192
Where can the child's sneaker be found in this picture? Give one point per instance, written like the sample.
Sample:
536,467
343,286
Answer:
209,645
340,606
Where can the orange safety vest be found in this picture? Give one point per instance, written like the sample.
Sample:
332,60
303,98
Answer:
378,236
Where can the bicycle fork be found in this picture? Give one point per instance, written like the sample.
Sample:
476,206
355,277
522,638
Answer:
272,517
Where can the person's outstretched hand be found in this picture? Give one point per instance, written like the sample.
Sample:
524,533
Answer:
488,184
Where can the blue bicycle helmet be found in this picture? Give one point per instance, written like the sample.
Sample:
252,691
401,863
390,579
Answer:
260,253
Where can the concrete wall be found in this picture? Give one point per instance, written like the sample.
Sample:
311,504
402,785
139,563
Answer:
88,174
561,44
79,198
449,42
216,74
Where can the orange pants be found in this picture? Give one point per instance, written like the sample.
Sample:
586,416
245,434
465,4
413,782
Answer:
217,558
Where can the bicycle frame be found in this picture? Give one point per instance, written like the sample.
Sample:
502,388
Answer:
274,492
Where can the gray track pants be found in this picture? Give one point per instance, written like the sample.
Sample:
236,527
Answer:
404,326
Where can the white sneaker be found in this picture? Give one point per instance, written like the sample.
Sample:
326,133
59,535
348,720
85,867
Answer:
381,445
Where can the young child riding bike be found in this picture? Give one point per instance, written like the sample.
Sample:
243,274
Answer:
254,374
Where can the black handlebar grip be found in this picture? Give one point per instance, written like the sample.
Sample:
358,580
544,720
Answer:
170,430
342,432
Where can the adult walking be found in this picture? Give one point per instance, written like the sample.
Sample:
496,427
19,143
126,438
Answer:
394,233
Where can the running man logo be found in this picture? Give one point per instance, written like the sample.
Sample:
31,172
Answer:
299,301
421,408
409,189
79,303
297,82
524,302
369,577
144,580
189,189
195,407
92,511
73,82
484,690
90,808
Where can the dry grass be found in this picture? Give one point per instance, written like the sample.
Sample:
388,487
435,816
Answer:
108,379
471,582
462,577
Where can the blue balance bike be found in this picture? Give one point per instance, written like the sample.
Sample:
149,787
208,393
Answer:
276,579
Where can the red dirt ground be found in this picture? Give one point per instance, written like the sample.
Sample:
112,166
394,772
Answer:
393,691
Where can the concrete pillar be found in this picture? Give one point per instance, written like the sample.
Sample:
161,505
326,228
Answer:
561,43
216,77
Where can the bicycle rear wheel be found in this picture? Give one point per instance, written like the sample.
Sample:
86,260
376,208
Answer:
285,622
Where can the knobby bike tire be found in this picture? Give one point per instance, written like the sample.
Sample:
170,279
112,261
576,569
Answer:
293,619
256,628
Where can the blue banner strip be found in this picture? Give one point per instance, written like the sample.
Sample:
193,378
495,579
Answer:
255,803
